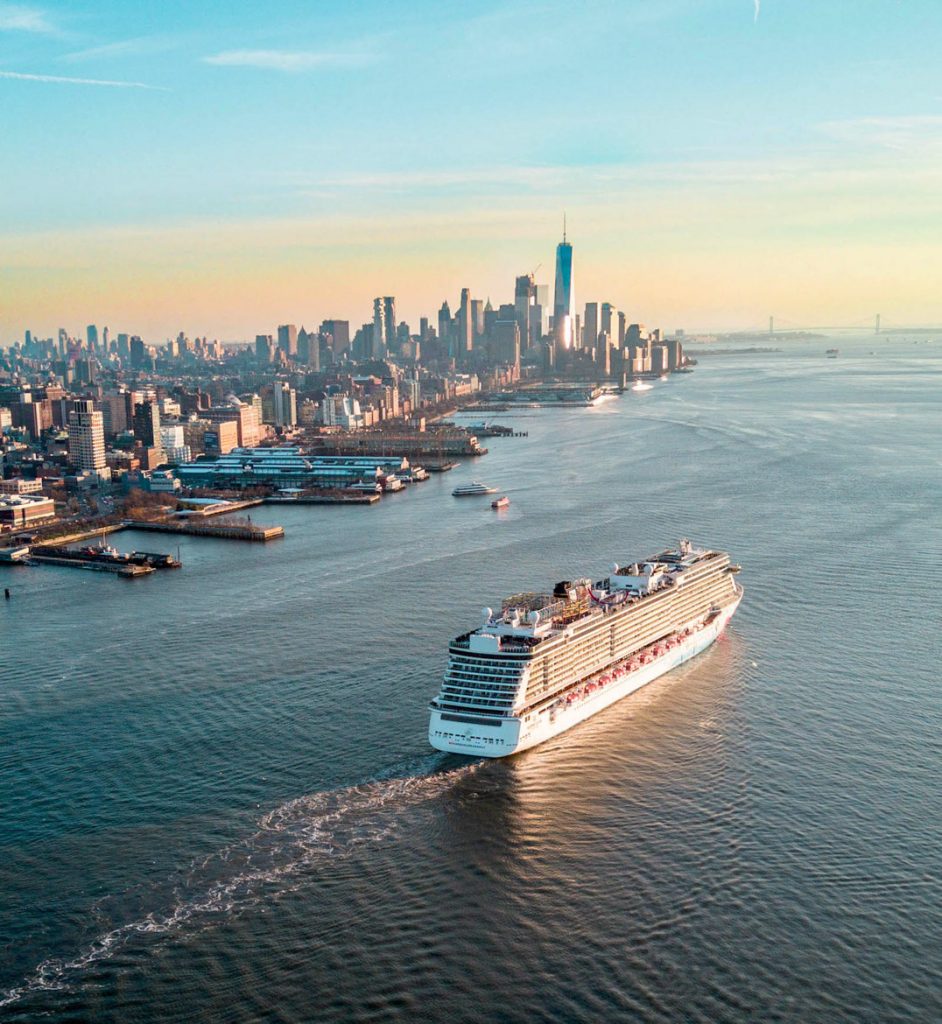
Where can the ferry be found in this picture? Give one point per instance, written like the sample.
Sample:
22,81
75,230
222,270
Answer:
473,489
546,662
502,502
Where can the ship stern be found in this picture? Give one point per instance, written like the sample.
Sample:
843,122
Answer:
473,735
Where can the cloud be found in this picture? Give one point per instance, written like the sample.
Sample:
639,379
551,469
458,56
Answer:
286,60
124,48
17,18
80,81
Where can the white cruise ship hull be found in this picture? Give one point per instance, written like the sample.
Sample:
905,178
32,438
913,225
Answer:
480,736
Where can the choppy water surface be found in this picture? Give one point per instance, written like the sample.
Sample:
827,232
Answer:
218,802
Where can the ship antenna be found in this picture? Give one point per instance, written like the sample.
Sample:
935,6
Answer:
564,225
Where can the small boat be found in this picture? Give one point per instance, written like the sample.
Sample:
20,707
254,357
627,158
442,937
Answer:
390,482
472,490
101,552
833,353
502,502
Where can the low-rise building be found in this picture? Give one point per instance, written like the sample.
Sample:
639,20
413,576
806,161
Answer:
20,485
287,466
19,510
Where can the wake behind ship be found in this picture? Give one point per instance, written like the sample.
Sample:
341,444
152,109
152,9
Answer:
549,661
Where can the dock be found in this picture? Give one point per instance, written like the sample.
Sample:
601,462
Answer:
323,499
126,570
228,531
222,507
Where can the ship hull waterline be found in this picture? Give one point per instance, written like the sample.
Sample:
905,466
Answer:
503,737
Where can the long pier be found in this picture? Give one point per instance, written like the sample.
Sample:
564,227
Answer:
127,570
322,499
229,531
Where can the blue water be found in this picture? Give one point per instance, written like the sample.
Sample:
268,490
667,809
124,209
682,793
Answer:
217,801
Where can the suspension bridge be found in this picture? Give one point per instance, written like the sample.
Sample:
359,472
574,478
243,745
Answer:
875,324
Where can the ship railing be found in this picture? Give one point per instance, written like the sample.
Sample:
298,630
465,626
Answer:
545,700
514,648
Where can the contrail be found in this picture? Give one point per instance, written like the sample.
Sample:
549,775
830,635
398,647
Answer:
758,4
80,81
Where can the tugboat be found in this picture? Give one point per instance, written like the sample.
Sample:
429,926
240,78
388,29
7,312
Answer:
100,553
502,502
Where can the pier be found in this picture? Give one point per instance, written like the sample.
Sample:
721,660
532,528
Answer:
124,569
228,531
322,499
416,446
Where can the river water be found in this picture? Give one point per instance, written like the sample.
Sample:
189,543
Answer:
217,801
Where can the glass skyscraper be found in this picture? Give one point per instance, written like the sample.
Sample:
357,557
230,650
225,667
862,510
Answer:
564,306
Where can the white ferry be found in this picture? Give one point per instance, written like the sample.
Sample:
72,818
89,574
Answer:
472,490
546,662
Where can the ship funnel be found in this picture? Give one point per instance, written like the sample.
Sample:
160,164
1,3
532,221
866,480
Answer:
615,568
534,618
486,614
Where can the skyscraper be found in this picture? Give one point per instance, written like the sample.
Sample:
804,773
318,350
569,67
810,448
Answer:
477,320
309,349
507,341
138,353
524,300
543,302
592,325
608,321
465,325
379,329
445,333
564,305
285,401
389,318
147,424
86,428
339,331
264,348
288,339
91,337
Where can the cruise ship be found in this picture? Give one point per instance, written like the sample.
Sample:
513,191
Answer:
547,662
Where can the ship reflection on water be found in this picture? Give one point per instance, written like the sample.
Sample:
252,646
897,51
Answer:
669,737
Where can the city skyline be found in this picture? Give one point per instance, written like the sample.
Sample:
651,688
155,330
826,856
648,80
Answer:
207,170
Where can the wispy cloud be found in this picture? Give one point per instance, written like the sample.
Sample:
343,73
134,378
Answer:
124,48
288,60
62,80
18,18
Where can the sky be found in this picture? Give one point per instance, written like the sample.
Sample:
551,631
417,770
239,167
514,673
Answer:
220,168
